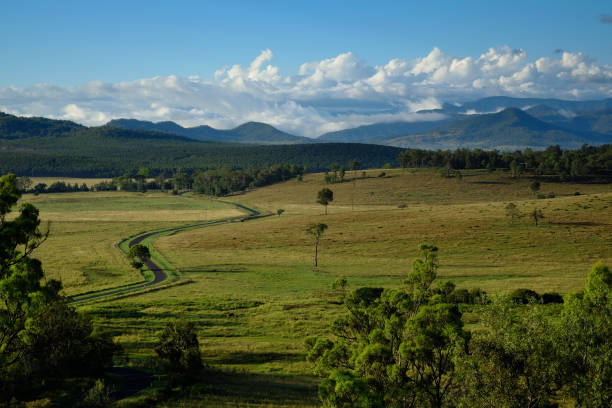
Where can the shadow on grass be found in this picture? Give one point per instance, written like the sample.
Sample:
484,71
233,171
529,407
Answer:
257,358
578,223
230,388
207,269
222,388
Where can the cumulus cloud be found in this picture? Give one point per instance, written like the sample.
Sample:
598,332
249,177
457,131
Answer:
330,94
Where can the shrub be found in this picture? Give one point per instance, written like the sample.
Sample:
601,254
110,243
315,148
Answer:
97,396
552,298
459,296
179,349
524,296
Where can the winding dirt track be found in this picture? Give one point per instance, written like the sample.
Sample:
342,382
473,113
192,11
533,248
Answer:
159,275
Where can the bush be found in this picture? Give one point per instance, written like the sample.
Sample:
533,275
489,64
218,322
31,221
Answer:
524,296
551,195
97,396
470,297
552,298
459,296
179,349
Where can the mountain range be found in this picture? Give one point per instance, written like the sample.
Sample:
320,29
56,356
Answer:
47,147
250,132
503,123
512,123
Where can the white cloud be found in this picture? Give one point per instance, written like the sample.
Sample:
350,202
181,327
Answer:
331,94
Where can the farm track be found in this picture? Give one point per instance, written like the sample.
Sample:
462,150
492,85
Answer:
159,274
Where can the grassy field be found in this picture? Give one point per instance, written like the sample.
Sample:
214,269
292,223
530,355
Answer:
85,228
255,296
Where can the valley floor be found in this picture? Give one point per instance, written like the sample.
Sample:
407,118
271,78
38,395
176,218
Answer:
255,295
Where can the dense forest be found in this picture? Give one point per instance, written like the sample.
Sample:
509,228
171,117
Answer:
44,147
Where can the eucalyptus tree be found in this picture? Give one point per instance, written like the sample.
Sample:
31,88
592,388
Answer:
324,197
394,347
316,230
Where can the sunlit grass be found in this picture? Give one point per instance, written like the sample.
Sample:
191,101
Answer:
254,295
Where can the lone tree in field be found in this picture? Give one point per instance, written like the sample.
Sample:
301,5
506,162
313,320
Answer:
537,215
280,211
316,230
534,187
324,197
139,255
354,166
512,211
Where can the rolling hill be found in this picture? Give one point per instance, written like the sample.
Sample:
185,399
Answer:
378,132
510,129
496,103
599,121
250,132
74,150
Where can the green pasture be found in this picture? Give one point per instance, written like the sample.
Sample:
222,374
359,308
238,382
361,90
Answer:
255,296
120,201
85,229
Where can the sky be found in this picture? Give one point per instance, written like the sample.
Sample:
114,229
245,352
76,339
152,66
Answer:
304,67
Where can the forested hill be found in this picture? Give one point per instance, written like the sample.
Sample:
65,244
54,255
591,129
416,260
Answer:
15,127
510,129
74,150
250,132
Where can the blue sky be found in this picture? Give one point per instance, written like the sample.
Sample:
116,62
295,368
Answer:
71,42
318,52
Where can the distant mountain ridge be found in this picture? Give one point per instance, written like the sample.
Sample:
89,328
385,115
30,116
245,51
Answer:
47,147
250,132
495,103
510,129
379,131
475,125
513,123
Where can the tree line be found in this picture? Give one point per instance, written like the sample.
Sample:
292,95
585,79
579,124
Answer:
217,182
586,162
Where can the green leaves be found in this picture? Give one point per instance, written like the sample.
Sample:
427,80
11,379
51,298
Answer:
179,349
41,336
9,194
393,348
